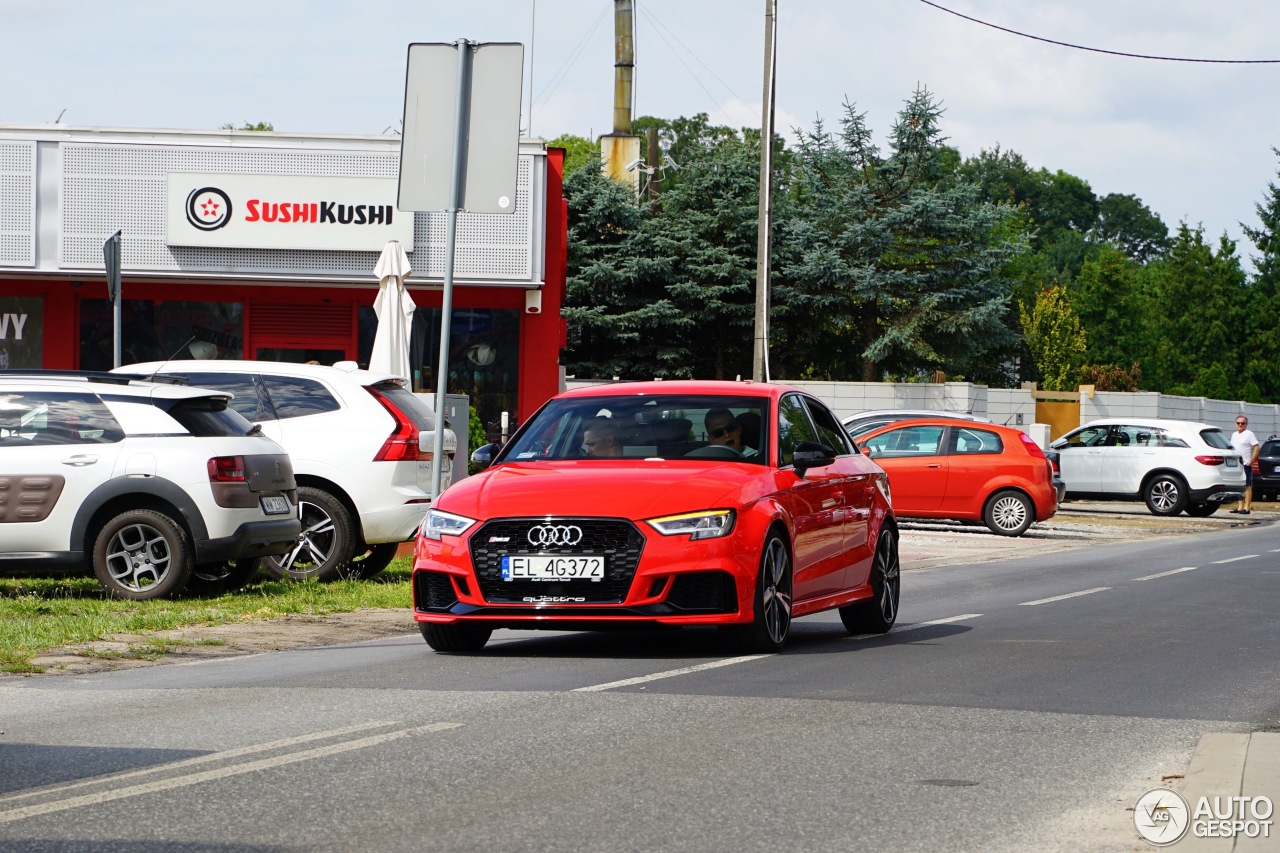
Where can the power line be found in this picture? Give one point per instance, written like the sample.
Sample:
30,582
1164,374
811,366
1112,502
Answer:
563,71
1098,49
657,29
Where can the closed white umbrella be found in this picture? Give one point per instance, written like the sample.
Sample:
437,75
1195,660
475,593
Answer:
394,307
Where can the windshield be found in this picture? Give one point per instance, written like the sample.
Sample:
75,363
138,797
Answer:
676,426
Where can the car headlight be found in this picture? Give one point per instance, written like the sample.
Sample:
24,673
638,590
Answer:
439,523
710,524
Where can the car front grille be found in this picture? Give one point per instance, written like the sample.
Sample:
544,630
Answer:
619,542
433,591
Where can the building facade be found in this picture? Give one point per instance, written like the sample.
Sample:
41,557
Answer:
237,244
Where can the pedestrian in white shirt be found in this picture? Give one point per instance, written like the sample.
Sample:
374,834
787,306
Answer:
1245,444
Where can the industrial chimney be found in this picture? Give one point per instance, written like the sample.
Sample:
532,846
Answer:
621,149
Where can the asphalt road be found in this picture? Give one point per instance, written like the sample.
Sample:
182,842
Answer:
1019,705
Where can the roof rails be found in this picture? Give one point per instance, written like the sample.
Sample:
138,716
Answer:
91,376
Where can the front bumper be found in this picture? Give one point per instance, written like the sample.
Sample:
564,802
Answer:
649,578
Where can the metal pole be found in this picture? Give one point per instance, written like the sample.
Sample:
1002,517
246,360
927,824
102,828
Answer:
533,23
760,360
451,231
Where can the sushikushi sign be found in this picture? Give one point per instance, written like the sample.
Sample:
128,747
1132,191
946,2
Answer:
285,212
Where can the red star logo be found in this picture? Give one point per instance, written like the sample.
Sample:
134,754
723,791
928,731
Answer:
209,208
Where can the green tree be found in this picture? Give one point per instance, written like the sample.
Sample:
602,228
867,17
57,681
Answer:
899,265
1129,225
578,152
1055,337
1110,299
249,125
1261,358
1202,299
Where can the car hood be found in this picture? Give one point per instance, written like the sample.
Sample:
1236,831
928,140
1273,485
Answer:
624,489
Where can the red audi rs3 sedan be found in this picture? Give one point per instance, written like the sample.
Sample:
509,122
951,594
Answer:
734,504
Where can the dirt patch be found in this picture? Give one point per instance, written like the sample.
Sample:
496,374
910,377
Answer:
205,642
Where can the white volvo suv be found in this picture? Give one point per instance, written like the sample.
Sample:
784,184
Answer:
1171,465
142,482
361,445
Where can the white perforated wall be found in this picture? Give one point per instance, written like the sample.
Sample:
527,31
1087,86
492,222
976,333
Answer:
105,187
18,204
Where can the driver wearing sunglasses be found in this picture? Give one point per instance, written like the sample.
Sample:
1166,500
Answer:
723,429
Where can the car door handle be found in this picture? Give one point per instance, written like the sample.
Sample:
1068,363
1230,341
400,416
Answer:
79,460
934,465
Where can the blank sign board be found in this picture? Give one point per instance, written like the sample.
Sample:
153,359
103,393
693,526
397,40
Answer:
491,123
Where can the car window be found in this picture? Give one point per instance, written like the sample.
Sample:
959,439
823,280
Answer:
662,426
969,440
250,399
407,402
829,431
1126,435
297,396
1094,436
793,427
29,418
858,429
1270,448
1215,438
907,441
206,417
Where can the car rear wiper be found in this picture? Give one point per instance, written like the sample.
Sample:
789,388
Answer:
254,430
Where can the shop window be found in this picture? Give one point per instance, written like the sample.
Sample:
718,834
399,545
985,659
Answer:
160,330
484,355
21,332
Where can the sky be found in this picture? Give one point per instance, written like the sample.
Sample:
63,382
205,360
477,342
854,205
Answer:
1193,140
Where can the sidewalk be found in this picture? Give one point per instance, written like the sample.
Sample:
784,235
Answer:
1233,765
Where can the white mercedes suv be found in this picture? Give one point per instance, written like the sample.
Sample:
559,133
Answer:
361,445
1172,465
142,482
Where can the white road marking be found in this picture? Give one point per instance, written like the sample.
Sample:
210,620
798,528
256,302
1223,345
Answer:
219,773
1166,574
1065,597
1274,551
200,759
627,682
1233,559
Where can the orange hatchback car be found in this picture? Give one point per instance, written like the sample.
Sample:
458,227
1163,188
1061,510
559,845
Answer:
949,468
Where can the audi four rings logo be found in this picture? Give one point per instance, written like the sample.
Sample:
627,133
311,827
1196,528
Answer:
555,534
208,208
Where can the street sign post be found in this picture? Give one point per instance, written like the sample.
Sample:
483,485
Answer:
461,158
111,260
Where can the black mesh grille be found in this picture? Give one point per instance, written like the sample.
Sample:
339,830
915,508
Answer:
617,541
704,592
433,591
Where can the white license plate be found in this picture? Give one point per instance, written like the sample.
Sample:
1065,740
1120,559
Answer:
275,505
1232,461
552,567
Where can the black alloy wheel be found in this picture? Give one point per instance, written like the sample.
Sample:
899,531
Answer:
1165,494
771,623
876,615
324,548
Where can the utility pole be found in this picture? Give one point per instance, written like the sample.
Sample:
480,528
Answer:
760,361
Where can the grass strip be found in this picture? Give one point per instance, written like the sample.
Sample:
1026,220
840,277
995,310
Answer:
40,614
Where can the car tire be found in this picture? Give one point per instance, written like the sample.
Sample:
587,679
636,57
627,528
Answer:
1202,510
771,604
1008,513
377,558
1165,494
324,548
455,638
142,554
217,578
876,615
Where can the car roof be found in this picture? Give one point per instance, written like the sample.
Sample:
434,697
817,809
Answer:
1166,423
718,387
100,383
948,421
902,414
286,368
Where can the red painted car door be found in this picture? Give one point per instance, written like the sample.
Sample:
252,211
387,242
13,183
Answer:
913,458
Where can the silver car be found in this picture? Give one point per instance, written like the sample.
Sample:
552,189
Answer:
1173,466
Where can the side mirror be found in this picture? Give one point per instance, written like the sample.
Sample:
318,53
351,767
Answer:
866,451
811,454
482,456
